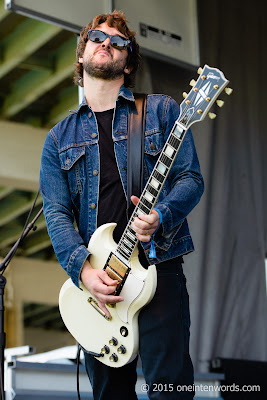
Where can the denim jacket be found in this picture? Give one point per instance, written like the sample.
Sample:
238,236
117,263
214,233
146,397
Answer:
69,179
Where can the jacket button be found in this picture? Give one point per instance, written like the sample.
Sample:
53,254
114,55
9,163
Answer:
93,206
94,135
67,160
90,114
152,146
95,172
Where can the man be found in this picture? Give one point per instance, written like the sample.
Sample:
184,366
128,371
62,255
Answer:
84,177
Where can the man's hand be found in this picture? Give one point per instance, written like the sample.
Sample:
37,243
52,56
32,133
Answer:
145,225
100,285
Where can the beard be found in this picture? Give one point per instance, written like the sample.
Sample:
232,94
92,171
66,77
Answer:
109,70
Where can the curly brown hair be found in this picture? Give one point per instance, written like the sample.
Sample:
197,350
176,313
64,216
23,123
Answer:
117,20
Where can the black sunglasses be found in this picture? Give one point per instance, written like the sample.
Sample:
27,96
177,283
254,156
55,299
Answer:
116,41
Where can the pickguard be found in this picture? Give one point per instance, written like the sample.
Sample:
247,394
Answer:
131,290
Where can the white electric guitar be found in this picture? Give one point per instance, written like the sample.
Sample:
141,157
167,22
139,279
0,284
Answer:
114,340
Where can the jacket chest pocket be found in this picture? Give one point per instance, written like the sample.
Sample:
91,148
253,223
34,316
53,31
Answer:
72,160
153,143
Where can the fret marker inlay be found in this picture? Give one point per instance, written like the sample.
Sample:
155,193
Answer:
148,196
178,132
154,183
161,168
169,151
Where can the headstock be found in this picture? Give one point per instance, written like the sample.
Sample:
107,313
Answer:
202,96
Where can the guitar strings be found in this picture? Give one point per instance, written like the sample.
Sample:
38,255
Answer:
121,242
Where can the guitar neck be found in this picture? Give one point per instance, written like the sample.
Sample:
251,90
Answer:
194,108
151,192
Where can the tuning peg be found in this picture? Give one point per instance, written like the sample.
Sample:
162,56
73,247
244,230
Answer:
212,115
220,103
199,71
192,83
228,91
184,95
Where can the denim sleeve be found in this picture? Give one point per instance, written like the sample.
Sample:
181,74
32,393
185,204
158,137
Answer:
68,244
184,179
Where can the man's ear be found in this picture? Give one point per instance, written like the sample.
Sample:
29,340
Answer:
127,70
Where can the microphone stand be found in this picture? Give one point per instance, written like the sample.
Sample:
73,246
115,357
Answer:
3,267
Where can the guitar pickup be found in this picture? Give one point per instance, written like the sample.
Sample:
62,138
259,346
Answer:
113,275
116,269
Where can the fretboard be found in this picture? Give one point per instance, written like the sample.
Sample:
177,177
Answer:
194,107
152,189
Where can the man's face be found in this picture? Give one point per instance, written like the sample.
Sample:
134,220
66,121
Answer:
101,60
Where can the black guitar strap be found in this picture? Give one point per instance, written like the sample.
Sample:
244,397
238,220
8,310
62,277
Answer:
135,149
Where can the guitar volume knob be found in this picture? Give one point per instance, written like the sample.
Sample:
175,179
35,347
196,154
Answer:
114,357
121,349
105,350
113,342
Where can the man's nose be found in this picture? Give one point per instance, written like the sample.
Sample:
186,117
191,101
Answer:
106,43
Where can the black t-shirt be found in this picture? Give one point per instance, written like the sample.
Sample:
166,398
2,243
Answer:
112,204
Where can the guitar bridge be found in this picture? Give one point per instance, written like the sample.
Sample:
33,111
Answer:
116,269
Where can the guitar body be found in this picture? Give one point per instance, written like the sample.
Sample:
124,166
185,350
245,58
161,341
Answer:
83,319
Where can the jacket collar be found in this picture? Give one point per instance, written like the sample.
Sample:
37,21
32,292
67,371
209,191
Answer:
124,92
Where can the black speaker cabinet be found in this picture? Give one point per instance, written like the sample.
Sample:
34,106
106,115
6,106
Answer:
244,379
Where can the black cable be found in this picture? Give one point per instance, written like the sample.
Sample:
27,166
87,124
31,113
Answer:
27,220
78,370
10,255
2,383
